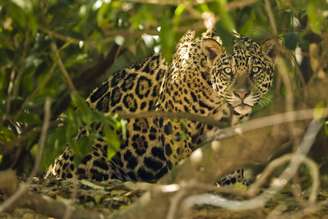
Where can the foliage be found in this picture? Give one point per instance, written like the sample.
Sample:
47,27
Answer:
85,30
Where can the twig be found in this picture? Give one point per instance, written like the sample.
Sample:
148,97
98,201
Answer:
283,72
310,209
14,198
271,17
230,5
240,4
62,68
192,186
314,171
43,137
60,36
296,159
276,212
223,133
53,208
23,187
69,211
10,93
271,120
174,205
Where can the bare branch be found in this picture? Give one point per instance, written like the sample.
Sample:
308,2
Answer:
271,17
60,36
56,209
62,68
230,5
24,186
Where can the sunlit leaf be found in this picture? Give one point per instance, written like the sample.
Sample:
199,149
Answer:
319,111
177,14
167,37
24,4
112,141
6,135
314,12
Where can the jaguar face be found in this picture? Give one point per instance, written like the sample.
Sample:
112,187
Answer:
243,76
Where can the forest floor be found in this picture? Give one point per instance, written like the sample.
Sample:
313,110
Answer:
51,198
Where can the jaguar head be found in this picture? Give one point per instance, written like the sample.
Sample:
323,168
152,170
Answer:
243,76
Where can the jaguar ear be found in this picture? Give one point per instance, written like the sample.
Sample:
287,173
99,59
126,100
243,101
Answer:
187,37
268,48
212,49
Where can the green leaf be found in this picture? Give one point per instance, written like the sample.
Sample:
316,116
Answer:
265,101
81,148
319,110
291,40
144,17
112,140
177,14
83,109
225,17
24,4
30,118
315,15
6,135
167,37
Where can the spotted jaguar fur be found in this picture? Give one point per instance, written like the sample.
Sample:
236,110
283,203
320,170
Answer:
203,79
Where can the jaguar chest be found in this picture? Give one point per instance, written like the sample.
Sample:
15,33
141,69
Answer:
185,92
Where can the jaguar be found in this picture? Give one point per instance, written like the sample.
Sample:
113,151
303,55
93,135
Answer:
202,79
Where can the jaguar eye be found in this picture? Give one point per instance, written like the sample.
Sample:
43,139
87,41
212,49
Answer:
255,69
227,70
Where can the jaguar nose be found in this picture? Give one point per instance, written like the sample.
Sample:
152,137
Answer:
241,93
